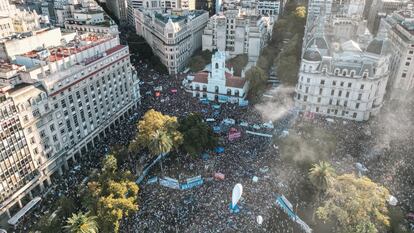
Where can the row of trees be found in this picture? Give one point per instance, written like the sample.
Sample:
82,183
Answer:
353,204
284,56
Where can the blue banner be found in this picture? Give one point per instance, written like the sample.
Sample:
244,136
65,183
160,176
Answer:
191,184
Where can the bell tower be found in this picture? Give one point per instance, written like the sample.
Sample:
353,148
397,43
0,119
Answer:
218,65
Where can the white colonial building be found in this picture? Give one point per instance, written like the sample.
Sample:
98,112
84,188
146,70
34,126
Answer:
173,37
237,33
344,81
218,83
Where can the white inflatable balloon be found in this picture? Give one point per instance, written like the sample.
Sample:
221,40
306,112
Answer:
392,200
236,195
259,220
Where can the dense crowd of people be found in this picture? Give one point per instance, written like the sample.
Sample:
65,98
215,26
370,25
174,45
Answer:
252,160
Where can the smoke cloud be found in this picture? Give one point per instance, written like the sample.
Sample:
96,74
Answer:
278,106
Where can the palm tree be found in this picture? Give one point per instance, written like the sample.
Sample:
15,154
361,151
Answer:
320,175
160,144
82,223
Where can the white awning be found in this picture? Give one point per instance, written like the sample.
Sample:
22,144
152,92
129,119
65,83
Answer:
15,219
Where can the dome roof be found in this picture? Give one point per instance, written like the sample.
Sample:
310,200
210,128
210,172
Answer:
312,54
319,42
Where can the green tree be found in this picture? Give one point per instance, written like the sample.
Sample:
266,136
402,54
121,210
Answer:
48,224
287,70
198,136
160,144
111,196
82,223
154,121
257,79
119,201
67,206
300,12
356,204
320,175
279,31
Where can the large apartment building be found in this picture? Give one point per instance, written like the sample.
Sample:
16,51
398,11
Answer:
56,102
398,28
237,33
173,37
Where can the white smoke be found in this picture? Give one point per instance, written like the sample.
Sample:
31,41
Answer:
276,107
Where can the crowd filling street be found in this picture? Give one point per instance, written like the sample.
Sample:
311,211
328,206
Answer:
252,160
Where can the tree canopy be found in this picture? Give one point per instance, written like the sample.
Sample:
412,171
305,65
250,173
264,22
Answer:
257,79
81,223
358,205
112,195
321,175
198,136
155,125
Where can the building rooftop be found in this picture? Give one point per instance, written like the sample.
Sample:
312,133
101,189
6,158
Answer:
178,17
77,45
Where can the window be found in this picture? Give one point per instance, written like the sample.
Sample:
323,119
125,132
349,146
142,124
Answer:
340,93
362,86
330,101
404,75
334,83
354,115
342,84
319,99
349,85
298,96
307,89
320,91
317,109
322,82
332,92
52,127
347,94
305,98
345,103
357,105
308,80
359,96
